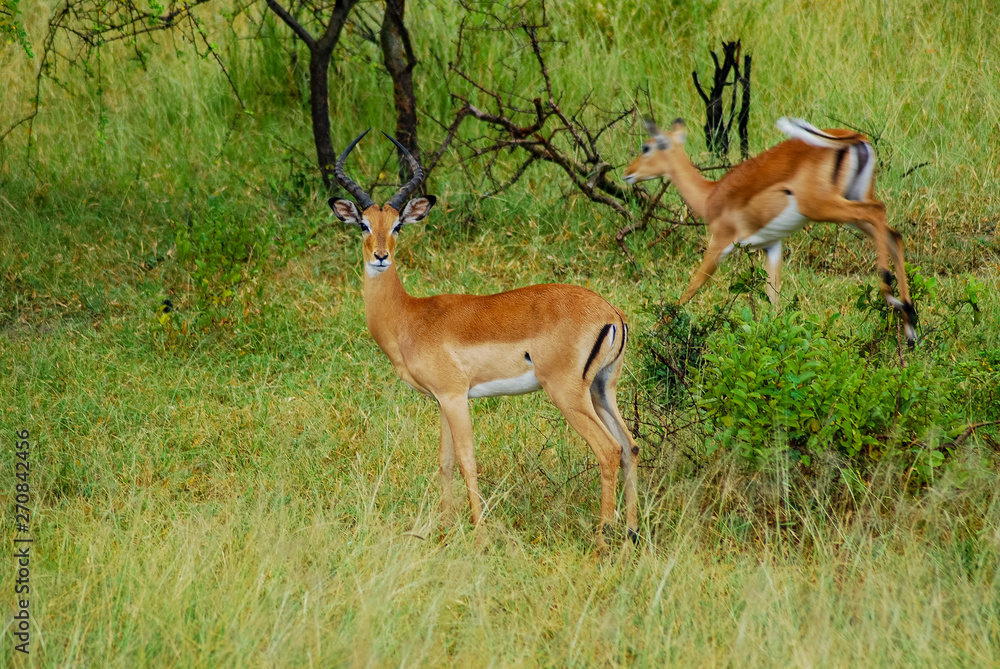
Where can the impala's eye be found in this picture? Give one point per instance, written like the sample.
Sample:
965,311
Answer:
365,228
399,226
645,148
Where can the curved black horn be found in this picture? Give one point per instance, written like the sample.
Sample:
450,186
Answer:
364,201
397,200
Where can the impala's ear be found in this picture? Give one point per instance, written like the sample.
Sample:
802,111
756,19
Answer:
662,143
417,208
346,211
679,131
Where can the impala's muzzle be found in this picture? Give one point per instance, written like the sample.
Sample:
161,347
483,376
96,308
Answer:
380,263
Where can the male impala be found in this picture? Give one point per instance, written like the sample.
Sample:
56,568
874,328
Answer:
817,175
565,339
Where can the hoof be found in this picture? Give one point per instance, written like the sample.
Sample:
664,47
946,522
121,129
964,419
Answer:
633,536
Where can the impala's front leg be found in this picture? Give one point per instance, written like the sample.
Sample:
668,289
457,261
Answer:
446,468
721,239
455,410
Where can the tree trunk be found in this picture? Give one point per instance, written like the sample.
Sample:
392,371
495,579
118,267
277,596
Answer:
397,54
320,51
744,121
319,108
716,128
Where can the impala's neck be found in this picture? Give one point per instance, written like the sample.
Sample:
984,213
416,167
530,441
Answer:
692,186
386,305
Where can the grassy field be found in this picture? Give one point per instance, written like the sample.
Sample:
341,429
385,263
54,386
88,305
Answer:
247,483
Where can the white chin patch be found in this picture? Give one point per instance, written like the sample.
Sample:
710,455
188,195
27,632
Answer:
375,270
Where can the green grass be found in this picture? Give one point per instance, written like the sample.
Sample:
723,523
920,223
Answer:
263,490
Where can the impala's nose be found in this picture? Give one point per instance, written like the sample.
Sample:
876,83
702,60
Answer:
381,258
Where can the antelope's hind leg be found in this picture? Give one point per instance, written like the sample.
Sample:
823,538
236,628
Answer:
889,243
604,397
574,401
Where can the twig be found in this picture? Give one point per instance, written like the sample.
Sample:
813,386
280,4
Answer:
915,168
11,129
960,439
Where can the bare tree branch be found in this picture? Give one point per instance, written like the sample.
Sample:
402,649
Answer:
292,23
11,129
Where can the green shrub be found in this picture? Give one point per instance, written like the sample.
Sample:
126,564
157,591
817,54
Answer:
225,254
782,385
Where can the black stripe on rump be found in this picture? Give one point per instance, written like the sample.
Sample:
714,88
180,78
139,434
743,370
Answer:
837,164
597,347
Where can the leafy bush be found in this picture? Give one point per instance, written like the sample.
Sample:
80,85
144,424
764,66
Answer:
673,350
225,254
781,384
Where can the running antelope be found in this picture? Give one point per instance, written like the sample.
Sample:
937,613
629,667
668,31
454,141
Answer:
816,175
565,339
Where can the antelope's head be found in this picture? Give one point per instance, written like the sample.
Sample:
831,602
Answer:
380,225
658,153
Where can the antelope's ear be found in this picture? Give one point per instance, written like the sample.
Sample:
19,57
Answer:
679,131
417,208
662,143
346,211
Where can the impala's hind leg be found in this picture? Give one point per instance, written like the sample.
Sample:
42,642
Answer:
893,242
603,396
869,217
574,401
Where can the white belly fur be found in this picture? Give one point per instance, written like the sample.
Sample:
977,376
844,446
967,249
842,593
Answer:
784,224
519,385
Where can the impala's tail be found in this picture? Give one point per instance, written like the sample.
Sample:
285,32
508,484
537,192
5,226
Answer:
796,128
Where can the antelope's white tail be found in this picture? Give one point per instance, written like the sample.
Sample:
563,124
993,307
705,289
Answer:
796,128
